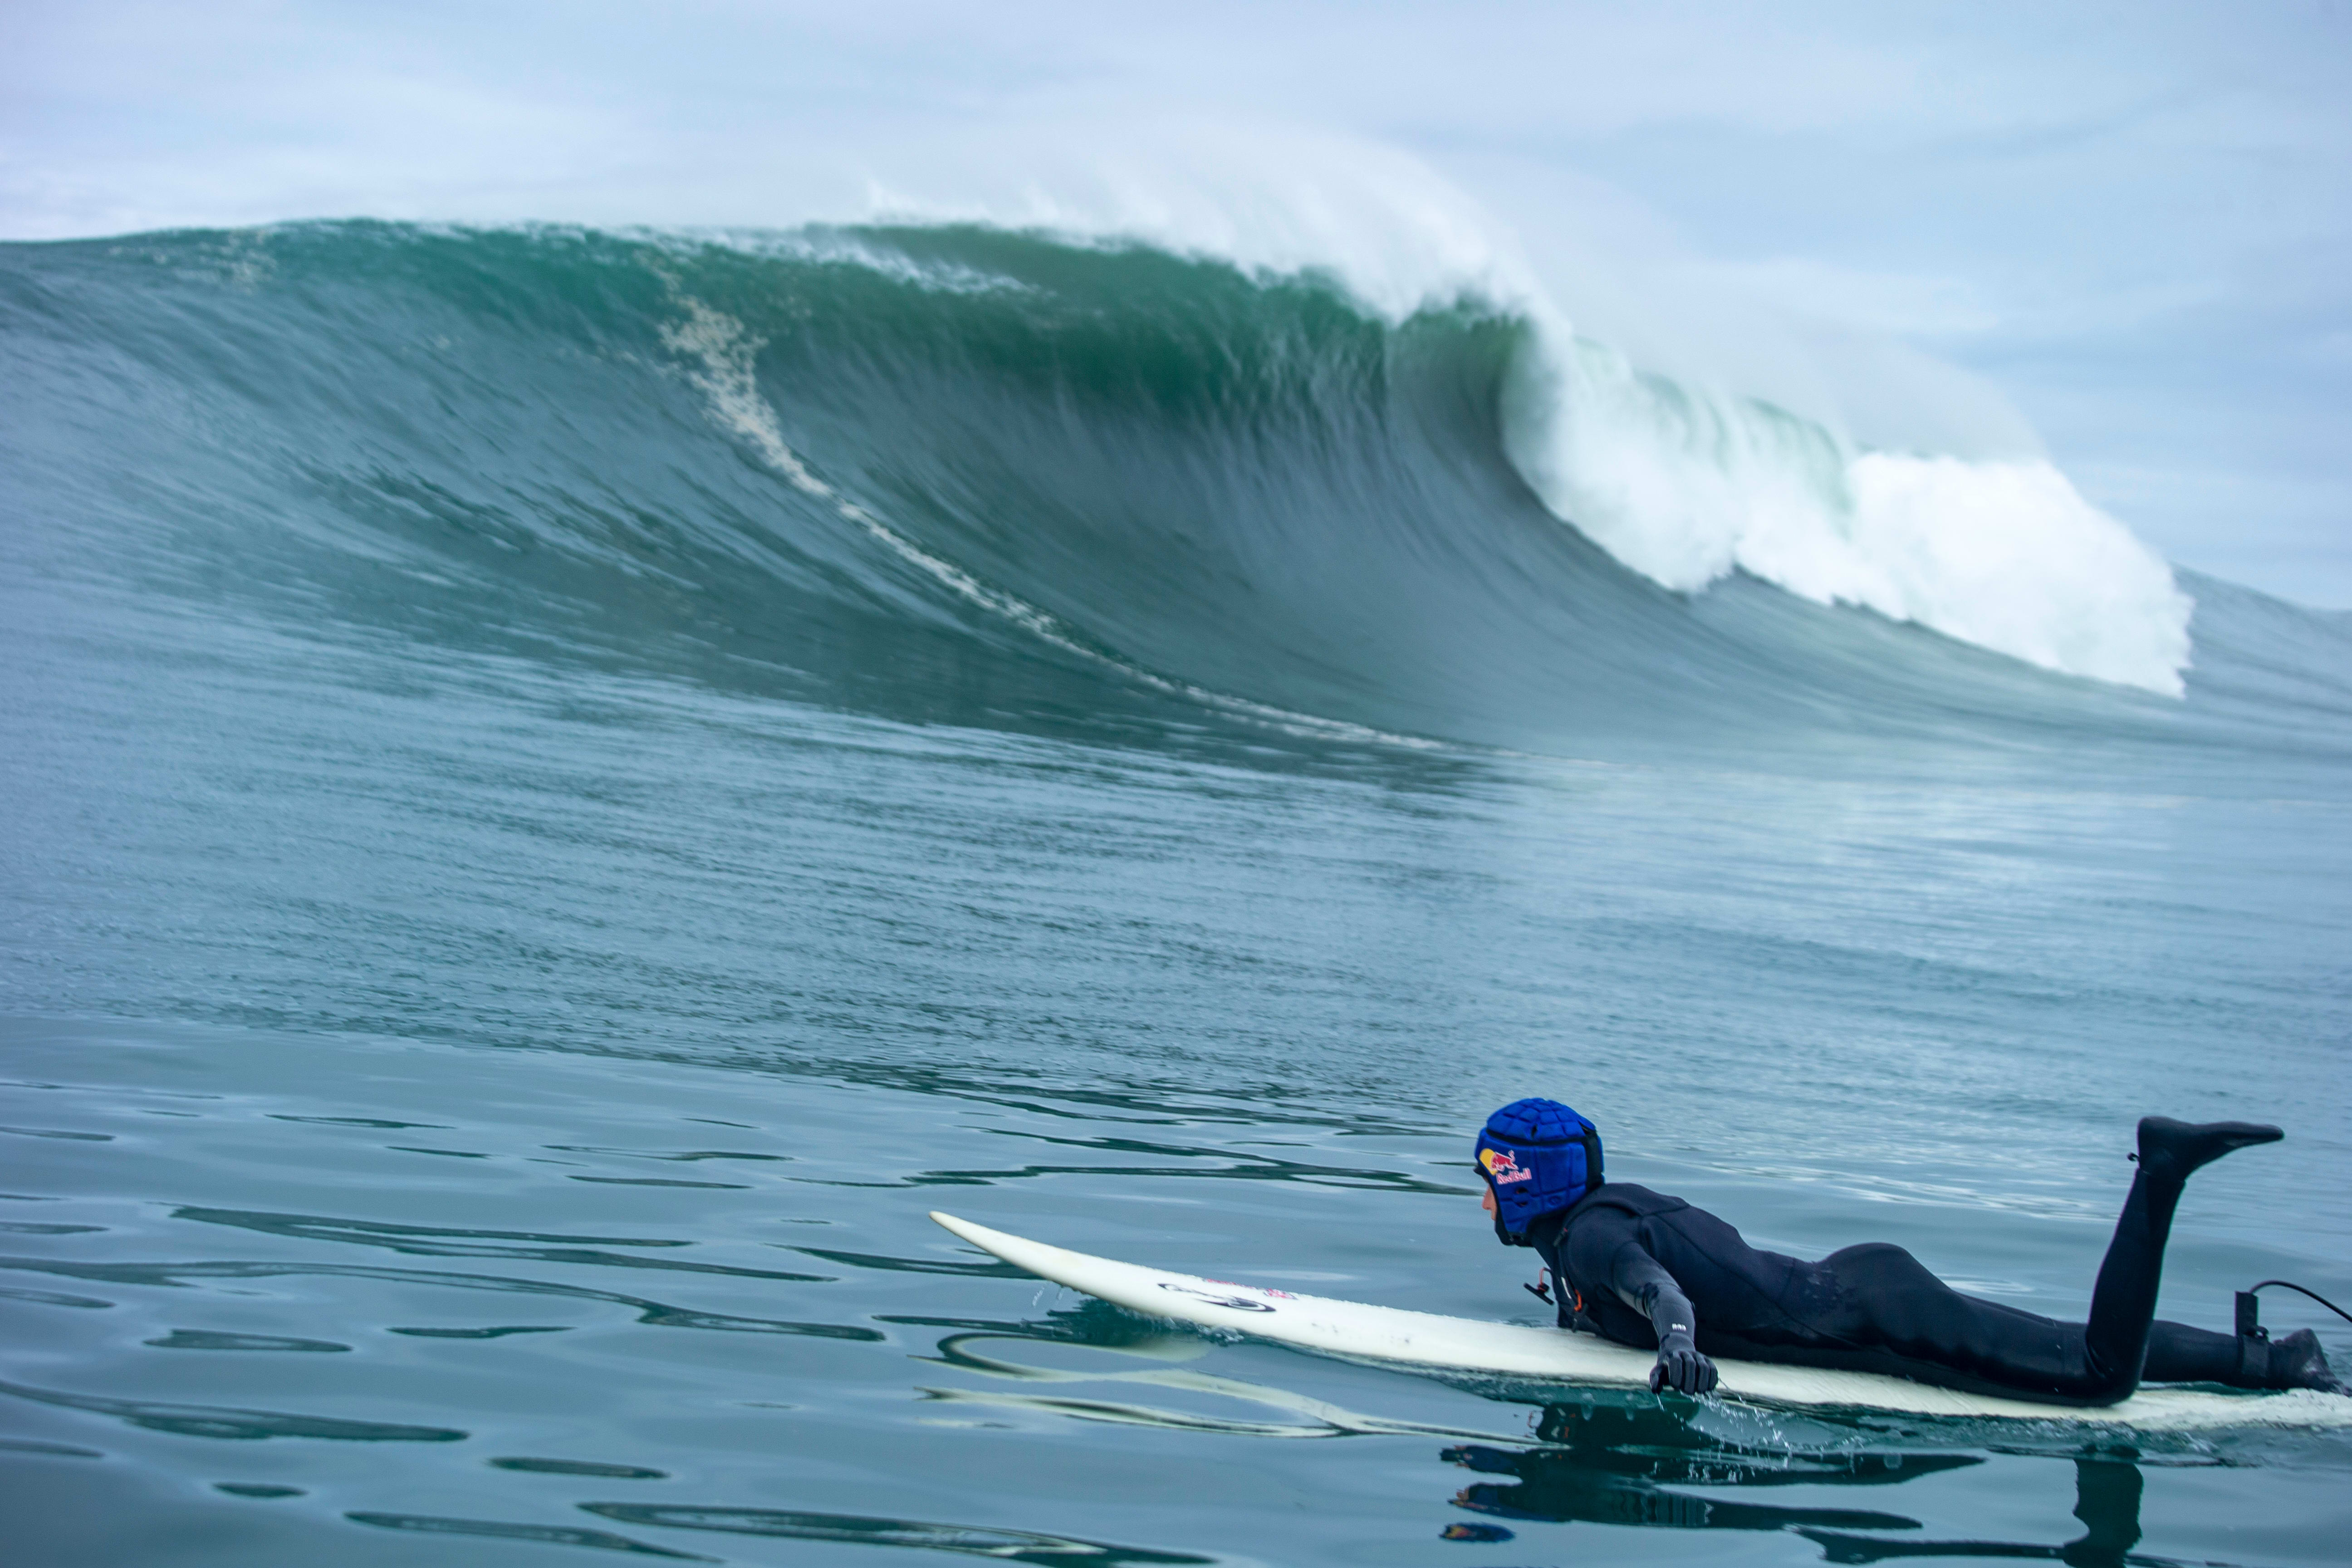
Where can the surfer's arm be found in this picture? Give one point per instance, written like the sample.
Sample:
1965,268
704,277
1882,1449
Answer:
1642,1283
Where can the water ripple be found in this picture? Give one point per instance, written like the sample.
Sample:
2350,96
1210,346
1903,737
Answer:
657,1313
1006,1545
552,1534
431,1241
220,1421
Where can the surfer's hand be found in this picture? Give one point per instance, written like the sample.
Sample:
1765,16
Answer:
1681,1368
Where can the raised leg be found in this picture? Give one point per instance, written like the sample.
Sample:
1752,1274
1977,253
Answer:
2123,1303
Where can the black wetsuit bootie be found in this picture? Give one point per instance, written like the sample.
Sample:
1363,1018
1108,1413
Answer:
2294,1362
2170,1149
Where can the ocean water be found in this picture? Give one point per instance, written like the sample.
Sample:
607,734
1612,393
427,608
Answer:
563,790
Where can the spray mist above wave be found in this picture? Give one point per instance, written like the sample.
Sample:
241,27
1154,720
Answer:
1682,478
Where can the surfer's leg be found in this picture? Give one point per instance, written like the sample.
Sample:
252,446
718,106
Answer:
2179,1353
2123,1302
1891,1304
1878,1309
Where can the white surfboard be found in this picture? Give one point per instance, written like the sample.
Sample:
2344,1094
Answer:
1358,1331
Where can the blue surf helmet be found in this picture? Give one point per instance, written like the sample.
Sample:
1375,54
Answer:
1538,1157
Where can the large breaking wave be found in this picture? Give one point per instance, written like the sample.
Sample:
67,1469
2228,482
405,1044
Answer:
1949,517
955,470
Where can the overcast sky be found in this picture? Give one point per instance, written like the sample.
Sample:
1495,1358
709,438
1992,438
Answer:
2132,220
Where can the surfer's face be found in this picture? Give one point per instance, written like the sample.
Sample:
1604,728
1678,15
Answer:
1487,1200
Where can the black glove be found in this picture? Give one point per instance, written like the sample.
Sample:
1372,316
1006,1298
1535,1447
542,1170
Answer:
1680,1367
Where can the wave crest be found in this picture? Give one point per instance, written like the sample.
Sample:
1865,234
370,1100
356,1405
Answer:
1686,487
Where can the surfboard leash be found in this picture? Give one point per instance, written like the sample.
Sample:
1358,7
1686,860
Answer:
2250,1307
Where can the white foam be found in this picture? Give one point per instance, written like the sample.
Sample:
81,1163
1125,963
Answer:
1684,487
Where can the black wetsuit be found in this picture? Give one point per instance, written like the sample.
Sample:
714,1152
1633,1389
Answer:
1632,1265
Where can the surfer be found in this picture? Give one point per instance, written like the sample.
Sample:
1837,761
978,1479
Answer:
1652,1271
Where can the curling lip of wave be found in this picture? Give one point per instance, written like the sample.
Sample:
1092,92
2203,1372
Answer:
1682,482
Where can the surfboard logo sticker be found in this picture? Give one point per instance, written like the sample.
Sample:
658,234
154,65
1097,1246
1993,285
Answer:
1239,1303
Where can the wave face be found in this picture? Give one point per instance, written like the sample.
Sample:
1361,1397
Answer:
958,472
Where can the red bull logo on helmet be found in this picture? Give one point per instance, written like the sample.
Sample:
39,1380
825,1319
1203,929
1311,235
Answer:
1502,1167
